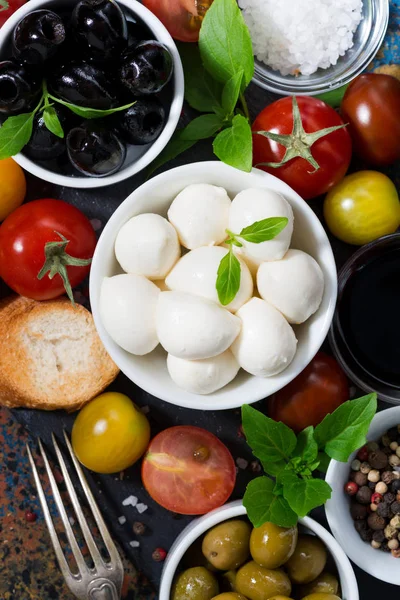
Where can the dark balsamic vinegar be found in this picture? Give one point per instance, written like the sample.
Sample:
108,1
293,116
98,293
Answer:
369,316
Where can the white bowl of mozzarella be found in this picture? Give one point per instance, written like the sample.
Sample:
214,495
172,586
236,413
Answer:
153,287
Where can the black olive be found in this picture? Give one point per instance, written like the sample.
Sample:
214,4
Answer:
142,123
38,37
19,88
45,145
100,28
138,31
146,67
95,150
84,84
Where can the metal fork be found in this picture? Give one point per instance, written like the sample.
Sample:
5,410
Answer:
104,581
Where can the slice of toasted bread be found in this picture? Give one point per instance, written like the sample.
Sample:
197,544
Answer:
51,356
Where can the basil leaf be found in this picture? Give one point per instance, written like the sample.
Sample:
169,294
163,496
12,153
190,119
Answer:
265,230
264,506
303,495
228,278
175,147
4,5
202,92
306,447
345,430
52,121
202,127
234,145
90,113
231,91
225,43
324,461
15,133
269,440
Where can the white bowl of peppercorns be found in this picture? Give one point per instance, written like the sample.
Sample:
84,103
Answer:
364,510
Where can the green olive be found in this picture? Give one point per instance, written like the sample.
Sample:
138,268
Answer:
228,581
321,596
271,546
226,546
258,583
280,598
229,596
324,584
195,584
308,560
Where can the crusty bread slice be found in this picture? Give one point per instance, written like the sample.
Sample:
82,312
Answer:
51,356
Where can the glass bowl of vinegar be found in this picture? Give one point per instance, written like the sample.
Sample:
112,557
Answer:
365,331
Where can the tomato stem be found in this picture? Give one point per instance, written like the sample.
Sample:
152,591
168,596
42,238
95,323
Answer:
57,260
299,142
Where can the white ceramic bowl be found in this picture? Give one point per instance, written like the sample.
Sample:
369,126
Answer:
379,564
150,372
138,157
193,531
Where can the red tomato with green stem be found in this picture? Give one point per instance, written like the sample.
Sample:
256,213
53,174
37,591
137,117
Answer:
182,18
188,470
371,107
46,248
317,391
8,7
304,142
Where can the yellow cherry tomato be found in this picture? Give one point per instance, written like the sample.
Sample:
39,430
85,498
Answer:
110,433
12,187
362,207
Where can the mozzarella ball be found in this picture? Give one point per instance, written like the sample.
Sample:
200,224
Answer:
200,215
128,312
147,245
254,205
266,344
294,285
203,376
192,327
196,273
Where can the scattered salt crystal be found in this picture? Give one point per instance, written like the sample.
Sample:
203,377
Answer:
303,35
122,520
141,508
130,501
134,544
145,410
242,463
71,520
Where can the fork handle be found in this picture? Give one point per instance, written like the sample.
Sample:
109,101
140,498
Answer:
103,589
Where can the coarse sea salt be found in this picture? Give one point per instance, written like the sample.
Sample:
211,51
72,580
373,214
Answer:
300,36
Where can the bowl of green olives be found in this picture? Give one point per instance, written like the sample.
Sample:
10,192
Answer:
222,557
91,91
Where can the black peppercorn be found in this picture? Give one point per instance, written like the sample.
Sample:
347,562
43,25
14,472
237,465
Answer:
395,508
393,434
366,535
387,450
376,522
385,547
358,511
387,477
377,459
395,486
378,536
361,525
139,528
372,485
383,510
389,497
360,478
364,495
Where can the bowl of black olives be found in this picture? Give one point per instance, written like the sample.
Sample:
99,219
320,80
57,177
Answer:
91,91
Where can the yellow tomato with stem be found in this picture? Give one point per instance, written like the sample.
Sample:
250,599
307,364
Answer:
110,433
362,207
12,187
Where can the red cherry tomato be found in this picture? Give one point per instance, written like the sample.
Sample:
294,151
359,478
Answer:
188,470
317,391
332,152
8,7
23,238
371,106
182,18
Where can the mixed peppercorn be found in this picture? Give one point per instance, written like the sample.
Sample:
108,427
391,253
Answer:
374,487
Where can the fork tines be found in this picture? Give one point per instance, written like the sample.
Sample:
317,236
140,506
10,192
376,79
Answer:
105,579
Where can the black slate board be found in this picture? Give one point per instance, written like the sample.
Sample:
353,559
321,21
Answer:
110,491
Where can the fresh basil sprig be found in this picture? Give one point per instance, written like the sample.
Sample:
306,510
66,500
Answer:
229,272
16,131
217,72
292,460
